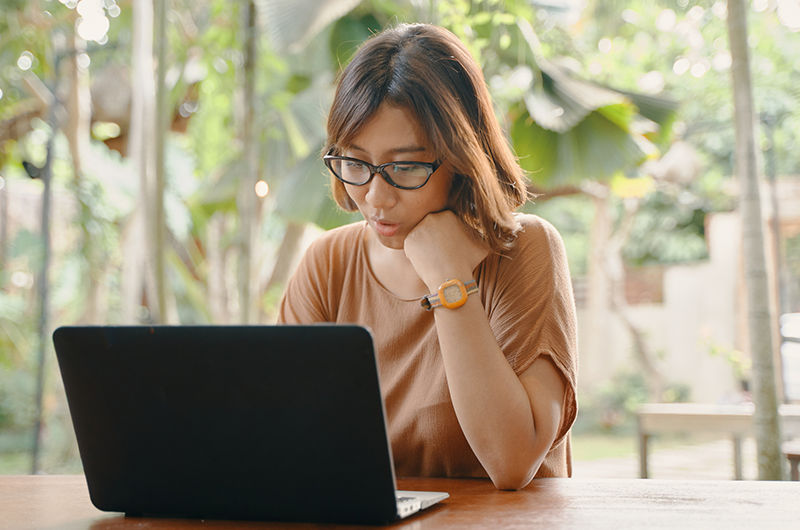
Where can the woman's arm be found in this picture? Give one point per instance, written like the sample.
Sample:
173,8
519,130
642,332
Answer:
510,421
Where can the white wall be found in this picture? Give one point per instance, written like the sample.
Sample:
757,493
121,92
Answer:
699,308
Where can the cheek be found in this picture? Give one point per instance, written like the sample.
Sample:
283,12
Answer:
442,193
356,193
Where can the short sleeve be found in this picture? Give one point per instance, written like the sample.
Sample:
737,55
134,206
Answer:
303,299
530,304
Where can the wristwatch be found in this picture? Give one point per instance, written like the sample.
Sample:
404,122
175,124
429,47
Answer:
452,294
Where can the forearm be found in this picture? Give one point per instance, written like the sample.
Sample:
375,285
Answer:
510,420
489,399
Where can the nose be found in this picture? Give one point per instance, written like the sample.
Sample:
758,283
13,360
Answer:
380,194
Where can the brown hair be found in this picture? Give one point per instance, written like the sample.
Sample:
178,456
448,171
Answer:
428,71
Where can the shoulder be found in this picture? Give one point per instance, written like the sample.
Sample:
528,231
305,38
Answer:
337,239
538,252
333,249
313,292
533,223
535,232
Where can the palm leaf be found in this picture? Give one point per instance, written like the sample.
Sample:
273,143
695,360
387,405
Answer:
595,149
290,24
559,101
568,129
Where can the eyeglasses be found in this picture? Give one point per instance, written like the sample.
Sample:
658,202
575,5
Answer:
402,175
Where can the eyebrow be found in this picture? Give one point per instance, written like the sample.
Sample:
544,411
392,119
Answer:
396,150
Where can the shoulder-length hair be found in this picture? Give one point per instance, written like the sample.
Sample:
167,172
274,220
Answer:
428,71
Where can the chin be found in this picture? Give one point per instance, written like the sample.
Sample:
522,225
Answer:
394,242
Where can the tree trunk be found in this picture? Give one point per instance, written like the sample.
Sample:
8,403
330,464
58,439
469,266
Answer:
77,131
3,221
615,270
161,121
594,349
247,198
606,291
217,269
759,320
43,280
138,262
132,285
42,283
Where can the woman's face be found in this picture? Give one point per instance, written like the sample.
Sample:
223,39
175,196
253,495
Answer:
393,135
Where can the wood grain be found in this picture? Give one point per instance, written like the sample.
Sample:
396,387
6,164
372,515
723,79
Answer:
63,502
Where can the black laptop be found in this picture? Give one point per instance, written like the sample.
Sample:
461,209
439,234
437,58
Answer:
233,422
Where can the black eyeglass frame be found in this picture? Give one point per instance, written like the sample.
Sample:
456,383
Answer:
373,170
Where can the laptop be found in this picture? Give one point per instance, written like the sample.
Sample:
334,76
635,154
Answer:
233,422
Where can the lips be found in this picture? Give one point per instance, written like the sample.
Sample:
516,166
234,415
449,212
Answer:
384,227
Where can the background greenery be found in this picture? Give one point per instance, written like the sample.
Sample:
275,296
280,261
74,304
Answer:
668,58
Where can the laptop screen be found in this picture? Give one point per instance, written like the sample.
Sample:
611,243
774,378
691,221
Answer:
261,422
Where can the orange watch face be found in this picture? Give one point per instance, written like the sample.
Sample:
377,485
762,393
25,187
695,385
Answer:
453,294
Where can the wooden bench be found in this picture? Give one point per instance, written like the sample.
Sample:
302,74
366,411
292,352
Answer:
735,421
791,450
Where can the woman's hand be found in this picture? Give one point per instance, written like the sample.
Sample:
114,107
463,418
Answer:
442,247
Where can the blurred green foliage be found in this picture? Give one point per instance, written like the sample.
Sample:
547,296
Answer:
633,46
612,407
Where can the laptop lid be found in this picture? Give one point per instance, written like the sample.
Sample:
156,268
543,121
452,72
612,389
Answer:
241,422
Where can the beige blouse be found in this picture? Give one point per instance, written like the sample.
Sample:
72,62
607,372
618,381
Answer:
528,298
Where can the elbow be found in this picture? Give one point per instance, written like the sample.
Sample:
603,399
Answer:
514,478
510,483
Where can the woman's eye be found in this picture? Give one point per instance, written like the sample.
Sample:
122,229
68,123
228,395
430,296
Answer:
406,168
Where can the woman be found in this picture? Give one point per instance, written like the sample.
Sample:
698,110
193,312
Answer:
470,305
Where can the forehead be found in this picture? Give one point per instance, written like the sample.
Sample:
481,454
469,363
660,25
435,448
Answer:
391,128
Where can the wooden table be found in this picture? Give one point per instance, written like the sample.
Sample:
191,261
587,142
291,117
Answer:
28,502
735,421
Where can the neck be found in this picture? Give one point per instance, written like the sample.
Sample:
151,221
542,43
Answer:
393,269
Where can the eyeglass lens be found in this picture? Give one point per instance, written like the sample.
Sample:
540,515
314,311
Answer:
408,175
